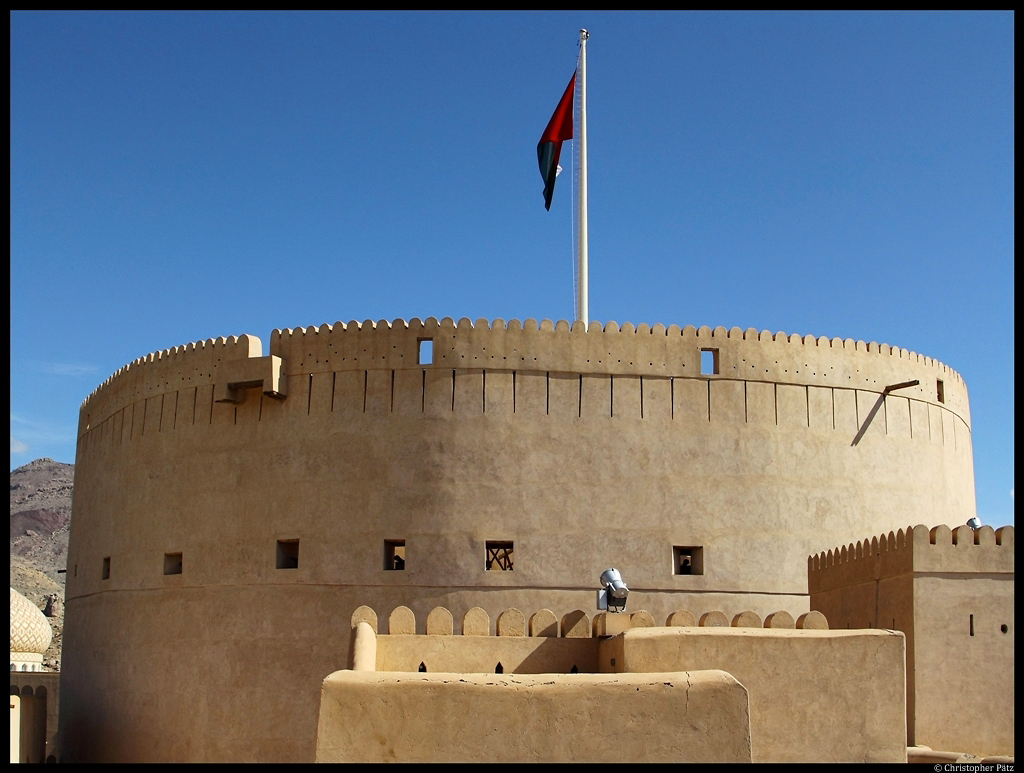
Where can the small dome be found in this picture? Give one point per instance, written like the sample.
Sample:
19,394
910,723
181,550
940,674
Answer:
30,631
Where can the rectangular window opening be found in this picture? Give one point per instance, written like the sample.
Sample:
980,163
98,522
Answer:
394,555
172,563
499,556
972,625
106,568
424,351
287,554
688,559
709,362
940,390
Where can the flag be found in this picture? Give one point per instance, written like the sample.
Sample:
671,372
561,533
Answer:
550,145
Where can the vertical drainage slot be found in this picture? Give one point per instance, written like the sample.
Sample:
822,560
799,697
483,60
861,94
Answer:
972,625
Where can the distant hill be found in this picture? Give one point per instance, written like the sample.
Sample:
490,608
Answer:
40,520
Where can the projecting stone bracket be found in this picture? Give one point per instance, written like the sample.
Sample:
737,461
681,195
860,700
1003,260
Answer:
238,375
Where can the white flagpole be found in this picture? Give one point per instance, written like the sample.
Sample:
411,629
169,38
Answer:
582,307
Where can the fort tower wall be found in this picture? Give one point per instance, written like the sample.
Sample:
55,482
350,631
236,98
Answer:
278,483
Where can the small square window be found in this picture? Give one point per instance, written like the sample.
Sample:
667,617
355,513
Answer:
172,563
940,390
394,555
106,568
687,559
424,351
499,556
287,554
709,362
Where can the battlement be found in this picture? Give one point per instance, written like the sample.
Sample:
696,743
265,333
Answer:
916,550
575,625
163,371
643,351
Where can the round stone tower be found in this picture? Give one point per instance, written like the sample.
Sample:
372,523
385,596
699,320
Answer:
232,508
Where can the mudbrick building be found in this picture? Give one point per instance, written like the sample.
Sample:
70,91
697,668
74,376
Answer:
234,511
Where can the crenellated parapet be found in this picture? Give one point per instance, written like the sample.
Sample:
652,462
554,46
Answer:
577,624
801,365
169,370
917,549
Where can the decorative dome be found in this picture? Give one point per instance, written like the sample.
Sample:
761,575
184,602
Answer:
30,631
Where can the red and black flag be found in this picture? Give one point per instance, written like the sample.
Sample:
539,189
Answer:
550,145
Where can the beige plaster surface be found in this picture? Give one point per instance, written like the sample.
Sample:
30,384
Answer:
815,696
39,700
586,449
15,729
951,592
398,717
473,654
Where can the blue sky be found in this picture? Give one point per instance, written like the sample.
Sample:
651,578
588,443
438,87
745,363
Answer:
177,177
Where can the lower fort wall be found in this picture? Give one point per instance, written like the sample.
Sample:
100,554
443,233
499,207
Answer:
951,592
399,717
815,695
189,460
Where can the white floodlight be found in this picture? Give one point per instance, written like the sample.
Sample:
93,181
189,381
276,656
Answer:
974,523
613,595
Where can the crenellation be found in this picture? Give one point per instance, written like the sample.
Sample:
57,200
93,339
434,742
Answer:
914,550
803,387
573,625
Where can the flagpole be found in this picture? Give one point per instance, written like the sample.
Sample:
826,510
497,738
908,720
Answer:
582,293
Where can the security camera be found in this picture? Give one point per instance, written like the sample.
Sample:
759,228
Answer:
974,523
613,593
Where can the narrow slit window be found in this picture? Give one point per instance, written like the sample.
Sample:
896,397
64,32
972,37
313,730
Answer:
287,554
172,563
424,351
106,568
709,362
688,559
940,390
499,556
394,555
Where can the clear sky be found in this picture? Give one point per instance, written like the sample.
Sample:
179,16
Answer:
183,176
